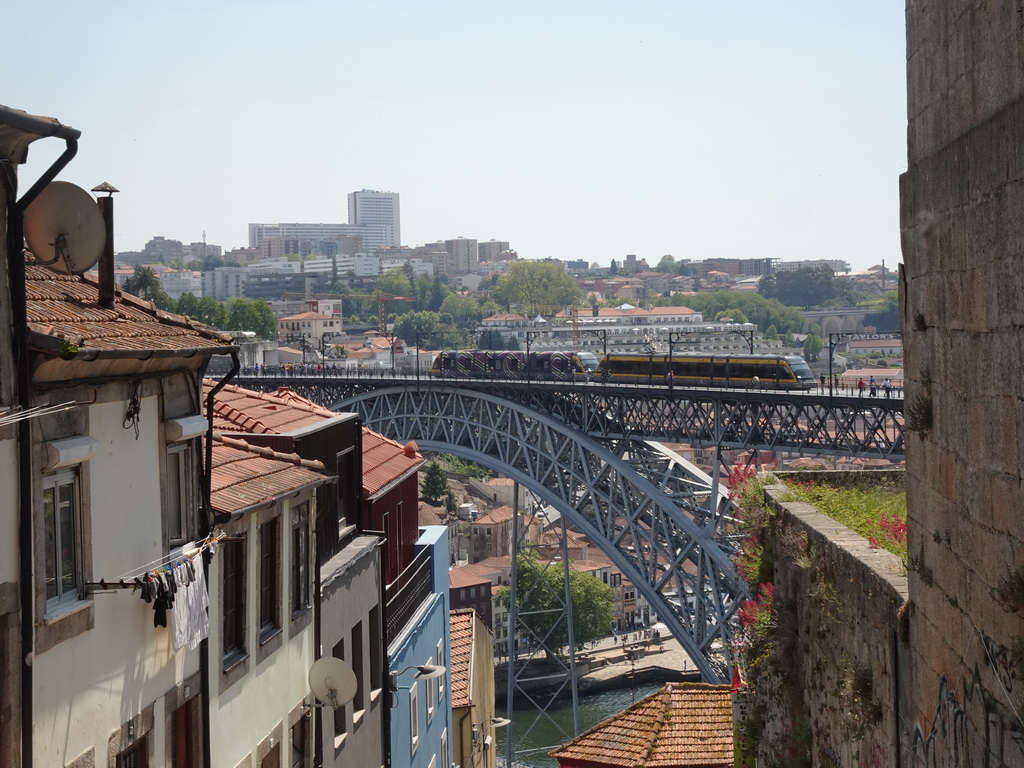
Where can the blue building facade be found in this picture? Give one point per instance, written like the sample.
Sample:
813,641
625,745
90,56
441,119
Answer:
420,709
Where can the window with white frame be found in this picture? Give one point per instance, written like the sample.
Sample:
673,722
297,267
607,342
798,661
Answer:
414,718
440,663
180,494
431,695
62,525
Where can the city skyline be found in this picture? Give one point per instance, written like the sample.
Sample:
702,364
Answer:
573,131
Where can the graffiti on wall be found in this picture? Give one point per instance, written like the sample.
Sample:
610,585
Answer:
978,725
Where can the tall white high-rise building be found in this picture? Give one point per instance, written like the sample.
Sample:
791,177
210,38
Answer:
376,211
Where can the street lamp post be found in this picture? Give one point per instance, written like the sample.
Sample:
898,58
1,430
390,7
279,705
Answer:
747,332
417,341
299,338
530,336
489,352
324,338
602,334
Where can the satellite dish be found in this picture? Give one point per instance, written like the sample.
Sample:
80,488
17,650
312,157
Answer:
332,682
64,228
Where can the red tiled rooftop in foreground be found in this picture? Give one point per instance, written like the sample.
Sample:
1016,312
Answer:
385,460
246,477
237,409
64,313
683,724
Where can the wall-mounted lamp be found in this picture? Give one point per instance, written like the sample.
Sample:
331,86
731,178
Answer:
490,723
423,672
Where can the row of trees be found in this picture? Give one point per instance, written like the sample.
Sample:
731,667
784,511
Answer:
235,315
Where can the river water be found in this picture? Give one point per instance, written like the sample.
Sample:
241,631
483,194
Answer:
533,738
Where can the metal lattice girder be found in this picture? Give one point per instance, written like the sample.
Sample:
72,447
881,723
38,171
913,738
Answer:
670,551
793,422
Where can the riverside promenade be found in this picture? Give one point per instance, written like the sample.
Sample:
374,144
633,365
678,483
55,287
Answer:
622,662
625,662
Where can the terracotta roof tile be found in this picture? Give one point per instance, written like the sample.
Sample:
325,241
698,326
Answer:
66,308
683,724
237,409
459,578
461,621
385,460
495,516
245,476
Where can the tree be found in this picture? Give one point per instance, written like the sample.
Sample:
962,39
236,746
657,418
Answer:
757,309
614,268
888,317
145,283
667,264
251,315
812,347
206,310
804,287
394,283
541,595
537,287
435,485
464,310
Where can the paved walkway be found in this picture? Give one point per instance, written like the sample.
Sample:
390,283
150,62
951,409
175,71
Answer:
612,662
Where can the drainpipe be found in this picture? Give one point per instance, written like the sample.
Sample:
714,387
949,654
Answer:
19,324
204,645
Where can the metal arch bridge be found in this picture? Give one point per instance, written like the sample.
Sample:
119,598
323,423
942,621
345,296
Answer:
587,451
770,420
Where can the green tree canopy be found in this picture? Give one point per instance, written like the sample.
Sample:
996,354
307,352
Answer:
435,484
206,310
537,287
394,283
541,595
464,310
251,315
812,347
667,264
757,309
805,287
887,318
145,283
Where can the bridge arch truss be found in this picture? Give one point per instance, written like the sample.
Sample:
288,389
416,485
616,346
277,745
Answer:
660,521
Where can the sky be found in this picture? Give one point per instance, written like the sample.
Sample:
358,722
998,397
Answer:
571,129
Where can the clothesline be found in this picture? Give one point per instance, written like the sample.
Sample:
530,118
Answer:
209,542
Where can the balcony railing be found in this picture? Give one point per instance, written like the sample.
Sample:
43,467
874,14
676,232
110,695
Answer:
408,592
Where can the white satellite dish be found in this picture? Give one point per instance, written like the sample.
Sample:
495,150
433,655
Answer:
64,228
332,682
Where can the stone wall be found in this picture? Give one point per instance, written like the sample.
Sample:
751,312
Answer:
962,305
829,689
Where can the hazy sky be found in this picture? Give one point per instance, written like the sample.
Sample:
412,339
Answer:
570,129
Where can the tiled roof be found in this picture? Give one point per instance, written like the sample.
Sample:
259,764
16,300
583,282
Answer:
385,460
461,621
495,516
64,313
236,409
683,724
430,515
459,578
247,476
305,316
